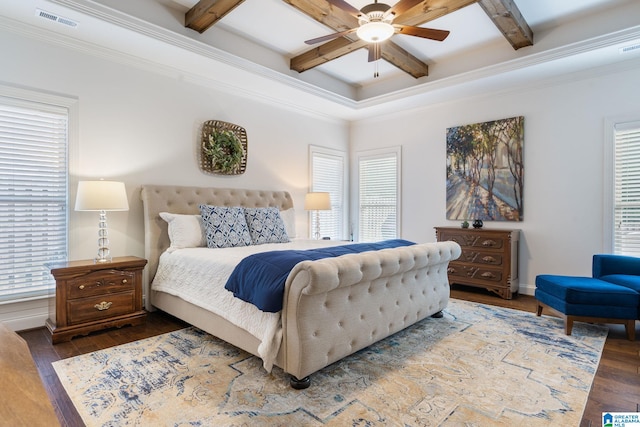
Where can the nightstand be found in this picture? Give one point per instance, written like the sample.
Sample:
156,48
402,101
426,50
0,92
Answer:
91,296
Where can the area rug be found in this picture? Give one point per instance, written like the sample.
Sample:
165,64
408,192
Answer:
477,366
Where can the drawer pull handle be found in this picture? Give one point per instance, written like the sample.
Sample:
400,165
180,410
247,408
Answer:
103,306
124,281
451,270
488,275
489,243
489,259
81,286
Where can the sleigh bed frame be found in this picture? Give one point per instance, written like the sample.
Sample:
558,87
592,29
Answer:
332,307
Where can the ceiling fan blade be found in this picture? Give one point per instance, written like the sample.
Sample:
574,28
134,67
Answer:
330,36
402,6
374,52
345,6
426,33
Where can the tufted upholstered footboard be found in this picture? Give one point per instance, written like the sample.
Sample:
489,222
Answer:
332,307
337,306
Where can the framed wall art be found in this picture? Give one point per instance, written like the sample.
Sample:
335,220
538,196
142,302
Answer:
485,171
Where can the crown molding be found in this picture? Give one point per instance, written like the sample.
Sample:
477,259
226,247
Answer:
313,99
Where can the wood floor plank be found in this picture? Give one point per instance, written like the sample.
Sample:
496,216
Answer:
616,385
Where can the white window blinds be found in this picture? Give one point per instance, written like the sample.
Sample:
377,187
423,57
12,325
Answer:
626,234
33,196
379,195
328,175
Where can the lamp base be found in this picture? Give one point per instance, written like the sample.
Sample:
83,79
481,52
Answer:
103,240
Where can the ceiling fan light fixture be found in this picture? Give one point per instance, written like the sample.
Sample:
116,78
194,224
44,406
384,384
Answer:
375,32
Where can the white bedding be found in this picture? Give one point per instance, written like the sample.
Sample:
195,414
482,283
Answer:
198,276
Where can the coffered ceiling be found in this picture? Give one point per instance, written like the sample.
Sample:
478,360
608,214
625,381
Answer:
491,42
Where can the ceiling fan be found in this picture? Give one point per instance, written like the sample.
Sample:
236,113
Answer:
376,25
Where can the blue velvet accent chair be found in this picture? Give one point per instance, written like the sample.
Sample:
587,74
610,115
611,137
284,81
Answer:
611,295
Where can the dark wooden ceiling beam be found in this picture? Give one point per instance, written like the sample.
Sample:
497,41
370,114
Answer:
321,11
325,13
429,10
339,20
504,13
207,12
402,59
507,17
324,53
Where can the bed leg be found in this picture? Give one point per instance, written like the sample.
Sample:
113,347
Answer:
437,315
300,384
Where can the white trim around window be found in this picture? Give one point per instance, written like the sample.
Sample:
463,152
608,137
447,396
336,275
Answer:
378,187
328,172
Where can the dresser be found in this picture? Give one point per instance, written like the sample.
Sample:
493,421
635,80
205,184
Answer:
489,258
90,296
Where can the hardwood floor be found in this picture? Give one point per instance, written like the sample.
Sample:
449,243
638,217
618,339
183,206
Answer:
616,387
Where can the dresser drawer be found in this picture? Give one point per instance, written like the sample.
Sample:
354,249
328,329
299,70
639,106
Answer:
481,257
469,271
100,283
473,240
100,306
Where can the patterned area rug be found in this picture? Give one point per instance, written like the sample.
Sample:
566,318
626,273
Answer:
477,366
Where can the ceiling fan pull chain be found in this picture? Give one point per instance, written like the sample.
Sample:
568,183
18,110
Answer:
376,74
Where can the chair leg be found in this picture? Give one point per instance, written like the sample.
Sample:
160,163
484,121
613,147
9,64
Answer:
630,327
539,310
568,324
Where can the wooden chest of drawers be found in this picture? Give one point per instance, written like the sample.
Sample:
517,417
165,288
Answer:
489,258
92,296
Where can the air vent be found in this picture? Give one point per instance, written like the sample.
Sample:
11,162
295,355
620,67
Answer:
56,18
630,48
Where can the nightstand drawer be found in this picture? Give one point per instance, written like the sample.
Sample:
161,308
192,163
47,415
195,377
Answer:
99,307
100,283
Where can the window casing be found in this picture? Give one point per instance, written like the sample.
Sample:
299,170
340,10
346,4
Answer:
626,188
329,174
33,195
379,194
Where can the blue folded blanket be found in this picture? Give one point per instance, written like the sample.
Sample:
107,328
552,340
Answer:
259,279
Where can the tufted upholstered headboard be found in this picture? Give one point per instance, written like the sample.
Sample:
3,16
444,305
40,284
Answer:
185,200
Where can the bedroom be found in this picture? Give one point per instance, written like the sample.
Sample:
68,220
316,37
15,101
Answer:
138,123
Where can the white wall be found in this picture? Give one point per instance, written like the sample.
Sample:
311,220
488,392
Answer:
564,120
141,127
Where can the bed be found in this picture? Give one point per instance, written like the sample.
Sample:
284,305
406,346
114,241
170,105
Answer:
331,307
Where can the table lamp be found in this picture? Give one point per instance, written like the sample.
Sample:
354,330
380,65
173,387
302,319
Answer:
102,196
317,201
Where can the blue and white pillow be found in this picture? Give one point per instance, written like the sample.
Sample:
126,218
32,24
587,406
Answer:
266,225
225,227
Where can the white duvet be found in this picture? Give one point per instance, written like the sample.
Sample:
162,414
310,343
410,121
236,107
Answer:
198,276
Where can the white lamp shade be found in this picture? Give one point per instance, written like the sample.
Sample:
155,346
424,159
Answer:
375,32
101,196
317,201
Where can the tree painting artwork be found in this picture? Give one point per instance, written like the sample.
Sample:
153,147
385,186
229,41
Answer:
485,171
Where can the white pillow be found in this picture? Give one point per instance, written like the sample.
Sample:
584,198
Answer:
289,218
185,231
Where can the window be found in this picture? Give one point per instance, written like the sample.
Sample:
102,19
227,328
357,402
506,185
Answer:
328,173
33,195
378,195
626,188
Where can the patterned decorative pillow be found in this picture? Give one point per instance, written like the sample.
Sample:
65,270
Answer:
225,227
266,225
